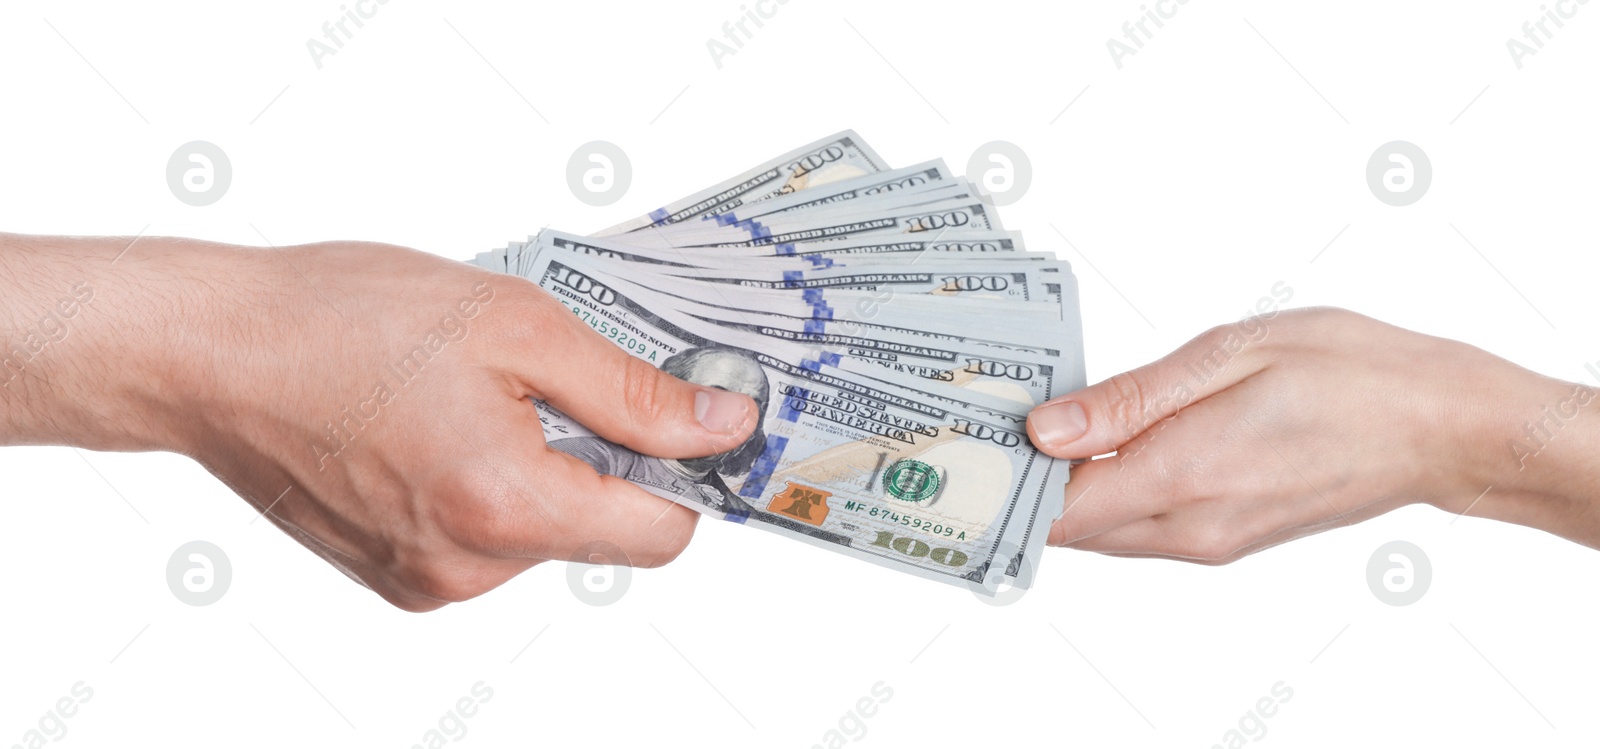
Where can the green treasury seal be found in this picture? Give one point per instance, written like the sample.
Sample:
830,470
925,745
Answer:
911,480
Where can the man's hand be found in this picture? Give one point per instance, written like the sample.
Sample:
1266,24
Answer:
1278,427
369,399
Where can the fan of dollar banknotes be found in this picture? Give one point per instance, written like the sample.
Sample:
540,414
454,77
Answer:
892,333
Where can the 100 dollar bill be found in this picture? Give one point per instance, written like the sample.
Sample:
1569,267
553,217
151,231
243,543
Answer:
952,215
866,188
1037,297
1023,378
729,230
865,467
840,156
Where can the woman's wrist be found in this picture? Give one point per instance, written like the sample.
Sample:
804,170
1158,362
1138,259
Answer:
1557,456
1541,461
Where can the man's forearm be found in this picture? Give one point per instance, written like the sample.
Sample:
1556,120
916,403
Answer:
88,329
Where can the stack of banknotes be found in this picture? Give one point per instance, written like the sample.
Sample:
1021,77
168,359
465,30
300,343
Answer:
892,333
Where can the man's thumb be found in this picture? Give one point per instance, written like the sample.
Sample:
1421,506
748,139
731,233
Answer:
628,401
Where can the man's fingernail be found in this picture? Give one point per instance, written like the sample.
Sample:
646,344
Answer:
721,411
1059,423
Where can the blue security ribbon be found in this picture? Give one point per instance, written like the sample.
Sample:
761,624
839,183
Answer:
755,484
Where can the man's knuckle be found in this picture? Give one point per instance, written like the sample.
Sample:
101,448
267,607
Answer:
655,545
416,604
470,504
643,393
523,317
484,510
673,540
446,581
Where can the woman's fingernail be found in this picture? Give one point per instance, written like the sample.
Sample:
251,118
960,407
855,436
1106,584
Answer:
1059,423
721,411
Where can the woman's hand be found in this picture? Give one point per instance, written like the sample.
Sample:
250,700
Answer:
1273,428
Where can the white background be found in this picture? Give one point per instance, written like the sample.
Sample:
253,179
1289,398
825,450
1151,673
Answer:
1192,179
